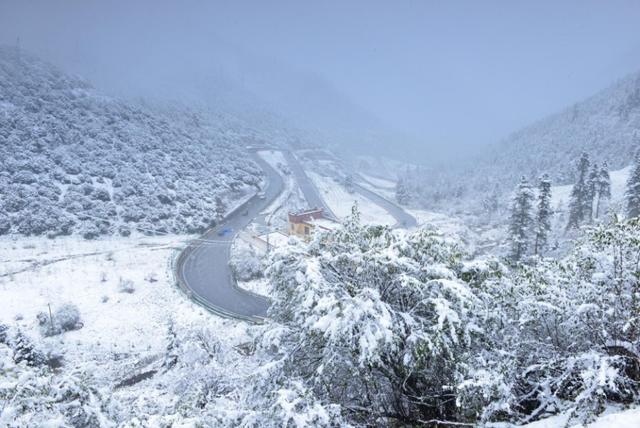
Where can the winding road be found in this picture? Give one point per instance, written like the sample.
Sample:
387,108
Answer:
202,269
403,219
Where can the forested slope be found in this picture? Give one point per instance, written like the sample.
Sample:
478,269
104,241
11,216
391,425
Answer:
606,125
73,161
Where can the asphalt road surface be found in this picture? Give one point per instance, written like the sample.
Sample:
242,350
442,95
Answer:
202,269
309,190
403,219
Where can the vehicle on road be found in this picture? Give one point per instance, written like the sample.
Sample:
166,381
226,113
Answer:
224,232
262,195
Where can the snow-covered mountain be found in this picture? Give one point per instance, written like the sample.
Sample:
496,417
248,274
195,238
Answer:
606,125
72,160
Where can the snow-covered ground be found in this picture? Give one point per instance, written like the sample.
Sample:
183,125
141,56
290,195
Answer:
382,187
379,182
38,272
448,226
383,166
258,286
611,418
275,158
341,201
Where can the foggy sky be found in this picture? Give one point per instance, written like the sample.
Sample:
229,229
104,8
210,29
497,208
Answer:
450,74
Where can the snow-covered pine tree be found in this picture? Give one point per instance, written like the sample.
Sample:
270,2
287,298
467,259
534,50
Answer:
543,215
403,194
592,193
24,350
521,220
604,187
4,333
578,198
632,196
171,355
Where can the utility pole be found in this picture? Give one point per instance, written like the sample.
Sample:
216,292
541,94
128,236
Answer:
268,233
50,316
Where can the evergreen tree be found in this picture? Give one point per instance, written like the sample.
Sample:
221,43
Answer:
632,195
604,187
403,194
4,334
543,215
592,192
579,198
171,355
24,350
221,208
521,219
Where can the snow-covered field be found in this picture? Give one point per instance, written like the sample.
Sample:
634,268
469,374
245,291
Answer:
341,201
275,158
379,182
382,187
612,418
38,272
391,169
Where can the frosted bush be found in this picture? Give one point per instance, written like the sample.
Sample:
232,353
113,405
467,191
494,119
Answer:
126,286
65,318
68,317
245,262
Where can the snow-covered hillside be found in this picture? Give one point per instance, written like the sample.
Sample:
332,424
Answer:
606,126
341,201
72,160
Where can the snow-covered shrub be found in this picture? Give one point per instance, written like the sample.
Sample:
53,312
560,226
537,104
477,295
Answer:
151,277
65,318
68,317
202,381
37,396
378,323
566,333
5,224
126,286
295,405
245,261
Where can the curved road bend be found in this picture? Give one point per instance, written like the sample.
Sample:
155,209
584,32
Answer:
309,190
403,218
203,267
